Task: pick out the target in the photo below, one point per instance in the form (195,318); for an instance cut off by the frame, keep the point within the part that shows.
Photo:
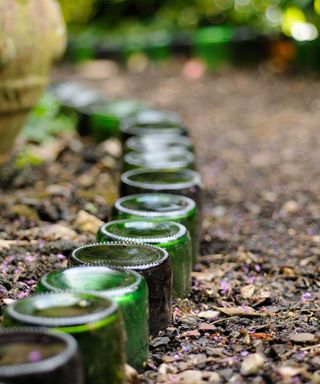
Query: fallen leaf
(247,291)
(208,315)
(302,337)
(206,327)
(244,311)
(192,333)
(205,277)
(159,342)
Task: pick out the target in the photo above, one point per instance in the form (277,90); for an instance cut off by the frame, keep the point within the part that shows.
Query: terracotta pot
(32,35)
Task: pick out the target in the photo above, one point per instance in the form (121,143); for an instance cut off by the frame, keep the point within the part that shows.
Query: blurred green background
(125,16)
(282,35)
(117,29)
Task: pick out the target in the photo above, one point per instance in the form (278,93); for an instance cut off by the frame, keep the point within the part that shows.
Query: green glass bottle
(78,101)
(171,236)
(161,207)
(158,143)
(152,262)
(184,182)
(37,356)
(73,95)
(94,321)
(150,122)
(105,119)
(127,288)
(173,159)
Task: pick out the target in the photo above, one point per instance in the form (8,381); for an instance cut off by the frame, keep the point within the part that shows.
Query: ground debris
(252,364)
(198,377)
(260,241)
(244,311)
(58,232)
(86,222)
(302,337)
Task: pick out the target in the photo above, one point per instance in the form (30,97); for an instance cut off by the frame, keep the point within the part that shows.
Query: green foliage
(26,158)
(46,120)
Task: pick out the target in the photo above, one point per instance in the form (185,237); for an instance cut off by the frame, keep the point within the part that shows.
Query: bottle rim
(191,205)
(108,292)
(183,158)
(135,143)
(149,130)
(150,116)
(164,255)
(195,179)
(46,365)
(182,231)
(62,321)
(109,110)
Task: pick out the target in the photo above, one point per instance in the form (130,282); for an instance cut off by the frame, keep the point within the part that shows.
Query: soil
(253,314)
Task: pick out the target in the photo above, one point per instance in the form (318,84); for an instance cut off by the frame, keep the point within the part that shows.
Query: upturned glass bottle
(78,100)
(30,355)
(127,288)
(184,182)
(171,159)
(158,143)
(150,122)
(171,236)
(152,262)
(94,321)
(161,207)
(105,119)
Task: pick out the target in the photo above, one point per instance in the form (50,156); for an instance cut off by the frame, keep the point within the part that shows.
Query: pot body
(32,35)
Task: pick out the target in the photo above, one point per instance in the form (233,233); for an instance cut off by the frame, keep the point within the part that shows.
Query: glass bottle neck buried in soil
(31,355)
(152,262)
(128,288)
(169,235)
